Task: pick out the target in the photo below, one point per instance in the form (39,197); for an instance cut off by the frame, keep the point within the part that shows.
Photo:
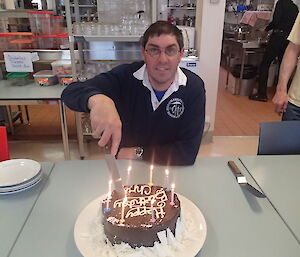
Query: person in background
(285,103)
(283,20)
(151,110)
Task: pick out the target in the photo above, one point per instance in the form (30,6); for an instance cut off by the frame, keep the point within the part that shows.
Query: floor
(235,134)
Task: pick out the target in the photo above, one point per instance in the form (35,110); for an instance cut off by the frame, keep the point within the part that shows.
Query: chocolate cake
(138,228)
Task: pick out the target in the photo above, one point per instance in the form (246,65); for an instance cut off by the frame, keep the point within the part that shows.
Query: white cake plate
(90,239)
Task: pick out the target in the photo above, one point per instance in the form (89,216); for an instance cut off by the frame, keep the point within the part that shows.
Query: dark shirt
(170,135)
(284,17)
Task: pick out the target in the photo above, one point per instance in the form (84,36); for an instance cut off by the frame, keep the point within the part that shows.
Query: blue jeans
(292,112)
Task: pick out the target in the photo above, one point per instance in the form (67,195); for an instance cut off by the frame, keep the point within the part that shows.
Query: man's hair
(162,28)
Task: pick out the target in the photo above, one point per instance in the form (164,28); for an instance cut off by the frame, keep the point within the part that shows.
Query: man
(283,20)
(289,104)
(152,110)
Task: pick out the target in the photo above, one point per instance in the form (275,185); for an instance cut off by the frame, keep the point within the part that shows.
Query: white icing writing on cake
(113,220)
(140,211)
(139,206)
(142,189)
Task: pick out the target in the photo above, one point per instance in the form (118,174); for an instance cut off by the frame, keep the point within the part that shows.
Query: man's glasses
(169,51)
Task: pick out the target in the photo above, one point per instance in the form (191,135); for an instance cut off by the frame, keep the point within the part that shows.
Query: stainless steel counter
(245,48)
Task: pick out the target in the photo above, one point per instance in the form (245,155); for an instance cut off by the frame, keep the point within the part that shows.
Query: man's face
(162,56)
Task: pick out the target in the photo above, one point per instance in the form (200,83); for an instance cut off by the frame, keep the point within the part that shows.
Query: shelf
(84,5)
(114,38)
(181,8)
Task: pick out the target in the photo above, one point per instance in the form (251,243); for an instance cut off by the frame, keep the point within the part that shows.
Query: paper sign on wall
(18,62)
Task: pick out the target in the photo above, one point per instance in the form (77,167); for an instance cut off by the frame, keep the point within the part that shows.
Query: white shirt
(180,80)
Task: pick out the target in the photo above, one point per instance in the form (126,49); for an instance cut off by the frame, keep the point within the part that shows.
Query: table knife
(114,172)
(241,179)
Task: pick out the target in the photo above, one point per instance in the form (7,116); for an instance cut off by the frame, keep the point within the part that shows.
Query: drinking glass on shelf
(83,27)
(99,29)
(105,29)
(90,28)
(77,28)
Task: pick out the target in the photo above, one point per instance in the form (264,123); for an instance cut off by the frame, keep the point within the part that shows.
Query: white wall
(209,42)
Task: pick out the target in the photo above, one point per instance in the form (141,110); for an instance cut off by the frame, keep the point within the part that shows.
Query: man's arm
(288,64)
(105,121)
(98,96)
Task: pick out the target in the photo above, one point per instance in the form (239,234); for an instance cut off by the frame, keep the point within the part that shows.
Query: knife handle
(234,168)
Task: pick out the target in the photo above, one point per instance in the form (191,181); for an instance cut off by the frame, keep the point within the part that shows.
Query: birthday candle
(107,209)
(167,180)
(172,194)
(109,187)
(123,210)
(152,211)
(128,174)
(151,175)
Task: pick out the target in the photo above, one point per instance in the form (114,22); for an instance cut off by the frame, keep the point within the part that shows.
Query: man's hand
(105,121)
(280,101)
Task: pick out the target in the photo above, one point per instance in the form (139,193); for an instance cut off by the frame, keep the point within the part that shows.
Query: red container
(17,40)
(4,153)
(40,22)
(57,24)
(5,39)
(23,44)
(56,41)
(45,41)
(61,41)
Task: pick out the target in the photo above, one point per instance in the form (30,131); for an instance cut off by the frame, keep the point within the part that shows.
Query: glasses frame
(160,52)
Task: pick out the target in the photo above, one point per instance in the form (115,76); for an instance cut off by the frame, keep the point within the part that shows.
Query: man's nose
(162,56)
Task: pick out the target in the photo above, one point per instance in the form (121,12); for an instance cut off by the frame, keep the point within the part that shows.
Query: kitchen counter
(243,48)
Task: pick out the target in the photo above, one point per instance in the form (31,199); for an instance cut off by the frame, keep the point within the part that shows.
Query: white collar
(180,80)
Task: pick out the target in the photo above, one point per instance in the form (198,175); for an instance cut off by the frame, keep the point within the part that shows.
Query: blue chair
(281,137)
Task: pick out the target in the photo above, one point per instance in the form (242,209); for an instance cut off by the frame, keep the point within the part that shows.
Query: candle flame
(167,172)
(173,186)
(151,167)
(129,168)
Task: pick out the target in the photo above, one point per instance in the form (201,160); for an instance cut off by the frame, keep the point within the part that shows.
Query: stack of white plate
(18,175)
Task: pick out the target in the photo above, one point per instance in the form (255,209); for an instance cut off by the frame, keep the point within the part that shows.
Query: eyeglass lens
(169,51)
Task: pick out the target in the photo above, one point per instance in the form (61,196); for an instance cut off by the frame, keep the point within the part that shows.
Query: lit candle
(151,174)
(152,211)
(167,180)
(107,209)
(122,220)
(172,194)
(109,187)
(128,174)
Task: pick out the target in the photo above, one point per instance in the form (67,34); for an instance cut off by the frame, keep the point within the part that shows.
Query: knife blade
(114,172)
(242,181)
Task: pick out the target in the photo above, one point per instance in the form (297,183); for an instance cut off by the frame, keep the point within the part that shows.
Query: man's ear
(181,52)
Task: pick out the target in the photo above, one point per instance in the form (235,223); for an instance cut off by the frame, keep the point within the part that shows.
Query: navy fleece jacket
(170,135)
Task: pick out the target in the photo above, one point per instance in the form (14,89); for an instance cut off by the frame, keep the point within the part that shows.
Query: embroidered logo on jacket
(175,108)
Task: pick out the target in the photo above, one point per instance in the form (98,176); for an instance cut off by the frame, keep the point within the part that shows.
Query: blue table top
(238,223)
(279,179)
